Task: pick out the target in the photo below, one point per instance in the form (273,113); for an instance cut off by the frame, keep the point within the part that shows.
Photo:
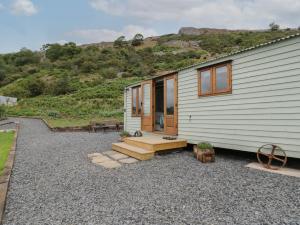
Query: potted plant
(204,152)
(124,134)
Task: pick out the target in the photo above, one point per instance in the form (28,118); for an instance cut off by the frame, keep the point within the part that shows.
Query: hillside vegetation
(82,83)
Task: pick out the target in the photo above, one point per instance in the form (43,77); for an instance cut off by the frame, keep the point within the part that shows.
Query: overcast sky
(32,23)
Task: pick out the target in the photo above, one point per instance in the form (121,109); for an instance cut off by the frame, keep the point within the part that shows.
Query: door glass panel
(205,82)
(221,78)
(170,97)
(134,101)
(147,96)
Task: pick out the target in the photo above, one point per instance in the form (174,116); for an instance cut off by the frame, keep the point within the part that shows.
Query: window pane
(170,97)
(222,78)
(134,100)
(140,100)
(205,82)
(147,95)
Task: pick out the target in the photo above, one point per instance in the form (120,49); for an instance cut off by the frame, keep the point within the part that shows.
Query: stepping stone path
(111,159)
(128,160)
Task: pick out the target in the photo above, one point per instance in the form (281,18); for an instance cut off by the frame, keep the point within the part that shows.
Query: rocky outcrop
(201,31)
(182,44)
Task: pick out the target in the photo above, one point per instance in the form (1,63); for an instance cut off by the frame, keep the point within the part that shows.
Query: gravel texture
(53,182)
(5,126)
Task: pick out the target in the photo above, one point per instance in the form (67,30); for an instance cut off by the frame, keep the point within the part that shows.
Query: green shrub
(125,134)
(54,114)
(62,86)
(205,145)
(35,87)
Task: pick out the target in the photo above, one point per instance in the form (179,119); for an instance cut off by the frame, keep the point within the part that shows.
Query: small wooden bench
(94,126)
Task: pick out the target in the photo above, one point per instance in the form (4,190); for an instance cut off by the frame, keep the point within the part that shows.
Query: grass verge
(6,141)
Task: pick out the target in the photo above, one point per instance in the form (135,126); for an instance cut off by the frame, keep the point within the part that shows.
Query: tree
(57,51)
(273,26)
(137,40)
(53,51)
(120,42)
(26,56)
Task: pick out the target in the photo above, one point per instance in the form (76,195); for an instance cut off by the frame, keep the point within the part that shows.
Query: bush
(125,134)
(109,73)
(35,87)
(62,86)
(26,56)
(54,114)
(273,26)
(205,145)
(88,66)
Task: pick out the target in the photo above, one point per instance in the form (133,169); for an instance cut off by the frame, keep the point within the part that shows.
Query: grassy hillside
(81,83)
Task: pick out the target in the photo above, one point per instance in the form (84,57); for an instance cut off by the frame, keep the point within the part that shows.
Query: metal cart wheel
(271,156)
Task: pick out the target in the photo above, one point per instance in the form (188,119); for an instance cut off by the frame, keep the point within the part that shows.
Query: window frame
(213,69)
(199,81)
(136,113)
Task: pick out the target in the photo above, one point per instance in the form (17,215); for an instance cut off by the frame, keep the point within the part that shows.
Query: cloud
(217,13)
(98,35)
(23,7)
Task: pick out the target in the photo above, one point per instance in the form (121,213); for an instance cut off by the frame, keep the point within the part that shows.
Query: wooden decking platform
(144,148)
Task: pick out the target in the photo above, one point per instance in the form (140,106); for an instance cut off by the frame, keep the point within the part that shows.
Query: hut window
(136,101)
(205,82)
(215,80)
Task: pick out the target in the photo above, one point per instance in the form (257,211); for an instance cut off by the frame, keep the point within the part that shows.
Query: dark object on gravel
(138,133)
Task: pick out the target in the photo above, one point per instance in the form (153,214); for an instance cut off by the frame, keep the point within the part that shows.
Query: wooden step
(154,143)
(133,151)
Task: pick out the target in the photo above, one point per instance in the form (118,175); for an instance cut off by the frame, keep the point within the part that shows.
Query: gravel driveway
(54,183)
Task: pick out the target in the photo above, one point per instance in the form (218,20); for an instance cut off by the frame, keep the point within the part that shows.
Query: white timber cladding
(131,123)
(264,106)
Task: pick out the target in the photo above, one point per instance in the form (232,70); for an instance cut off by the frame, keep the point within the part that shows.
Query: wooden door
(170,105)
(147,106)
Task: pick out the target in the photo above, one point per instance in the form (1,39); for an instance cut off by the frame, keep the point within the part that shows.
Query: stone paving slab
(92,155)
(282,171)
(100,159)
(110,164)
(109,153)
(128,160)
(118,156)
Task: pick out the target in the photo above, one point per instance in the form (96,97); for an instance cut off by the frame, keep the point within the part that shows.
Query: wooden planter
(204,155)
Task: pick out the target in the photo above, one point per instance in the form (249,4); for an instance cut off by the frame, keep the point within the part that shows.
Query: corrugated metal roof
(230,54)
